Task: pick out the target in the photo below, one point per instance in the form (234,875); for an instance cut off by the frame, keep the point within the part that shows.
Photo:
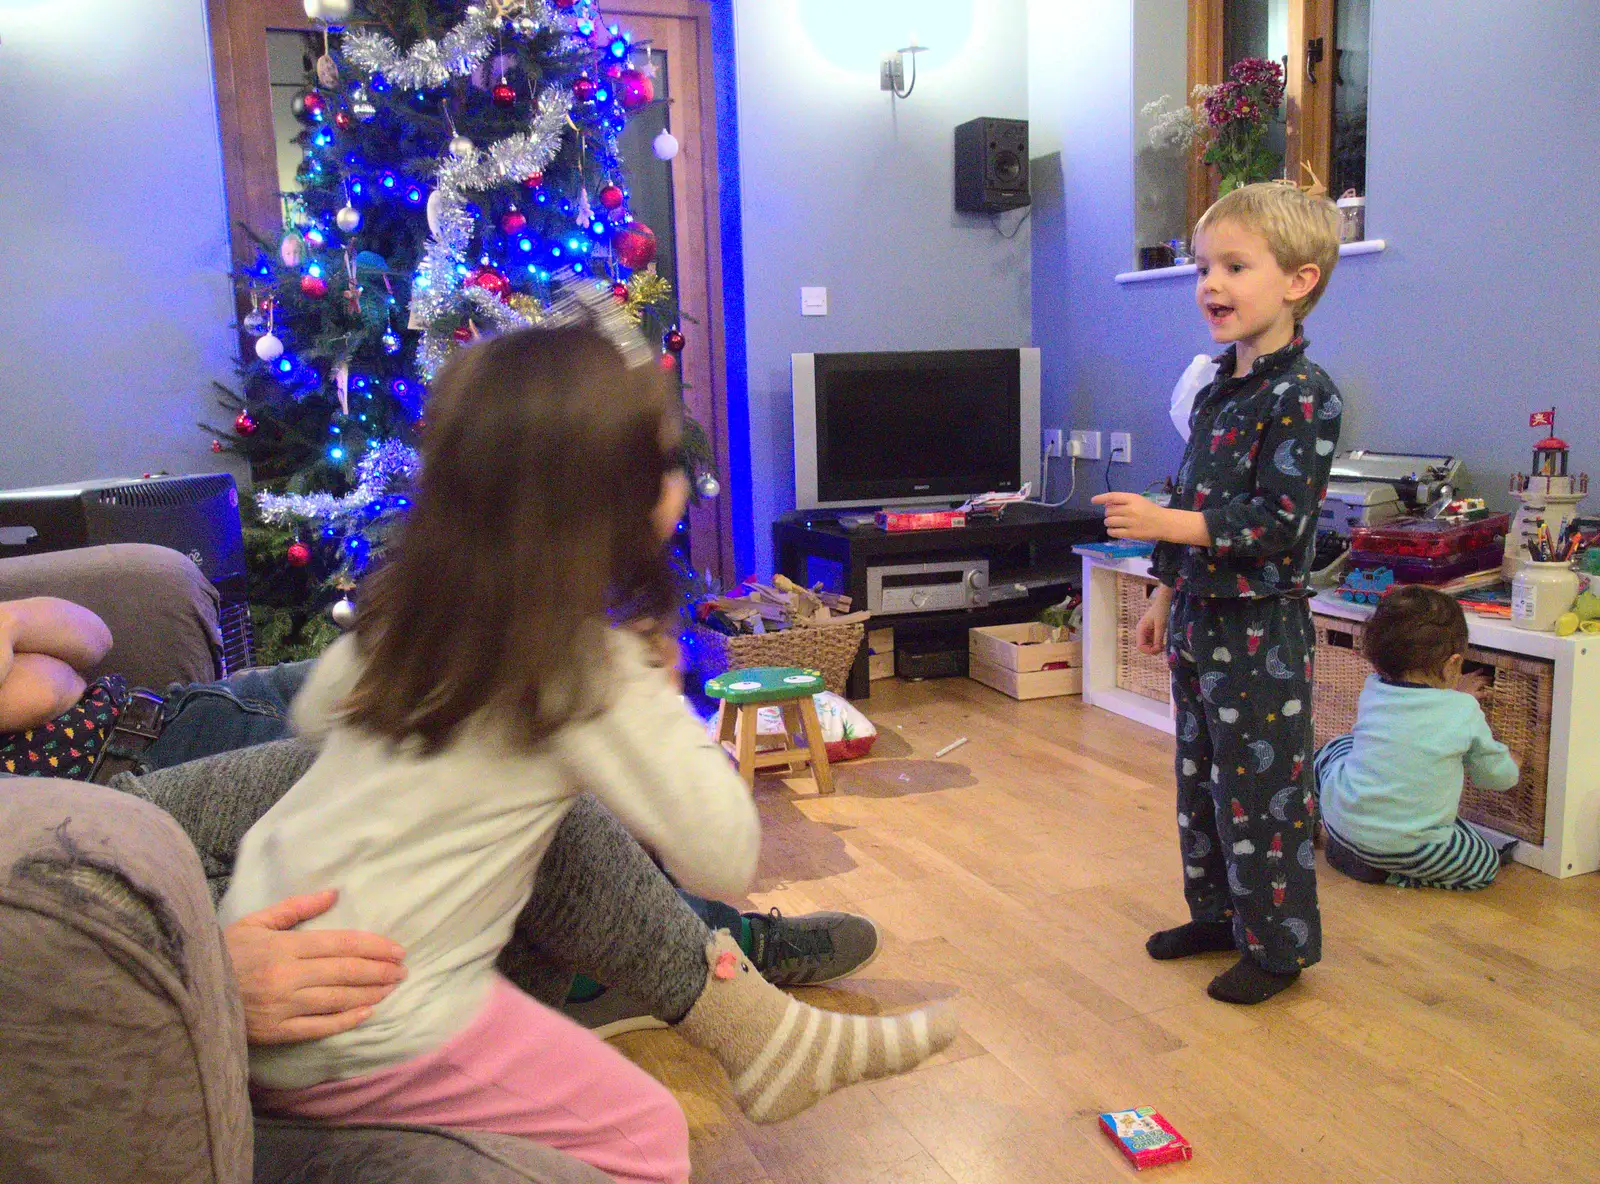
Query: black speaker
(992,165)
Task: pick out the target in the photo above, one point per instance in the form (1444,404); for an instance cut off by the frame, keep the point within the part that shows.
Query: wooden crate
(1143,674)
(1518,708)
(1012,660)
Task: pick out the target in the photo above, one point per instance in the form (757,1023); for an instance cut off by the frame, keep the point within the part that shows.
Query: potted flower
(1231,119)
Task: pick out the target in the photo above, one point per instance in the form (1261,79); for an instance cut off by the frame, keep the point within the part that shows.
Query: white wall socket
(1122,448)
(1052,442)
(1086,445)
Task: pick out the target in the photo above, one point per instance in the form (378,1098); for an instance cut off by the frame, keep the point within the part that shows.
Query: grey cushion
(122,1053)
(301,1153)
(162,612)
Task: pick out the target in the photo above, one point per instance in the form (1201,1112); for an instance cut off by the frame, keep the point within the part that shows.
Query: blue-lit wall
(844,187)
(114,295)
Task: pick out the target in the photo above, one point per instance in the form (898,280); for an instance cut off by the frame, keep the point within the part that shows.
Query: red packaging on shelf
(895,520)
(1431,538)
(1147,1139)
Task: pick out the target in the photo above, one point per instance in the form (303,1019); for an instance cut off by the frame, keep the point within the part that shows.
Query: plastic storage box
(1412,569)
(1427,538)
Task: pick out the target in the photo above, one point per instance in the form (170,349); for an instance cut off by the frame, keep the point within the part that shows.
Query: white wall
(114,294)
(848,188)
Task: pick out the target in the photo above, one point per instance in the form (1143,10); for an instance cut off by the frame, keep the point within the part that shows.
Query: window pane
(289,60)
(649,179)
(1350,24)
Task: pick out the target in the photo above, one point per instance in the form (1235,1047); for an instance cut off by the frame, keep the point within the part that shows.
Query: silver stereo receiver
(927,587)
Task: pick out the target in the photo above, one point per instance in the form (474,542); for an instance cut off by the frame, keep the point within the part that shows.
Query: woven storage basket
(1518,710)
(830,649)
(1143,674)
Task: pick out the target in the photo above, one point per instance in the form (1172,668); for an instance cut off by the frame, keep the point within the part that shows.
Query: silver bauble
(707,485)
(348,219)
(462,146)
(336,11)
(391,341)
(343,613)
(254,323)
(362,106)
(525,26)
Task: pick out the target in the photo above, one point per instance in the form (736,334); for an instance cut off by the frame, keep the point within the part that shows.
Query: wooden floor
(1445,1037)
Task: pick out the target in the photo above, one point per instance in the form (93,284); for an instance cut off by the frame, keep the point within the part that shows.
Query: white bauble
(462,146)
(665,145)
(708,485)
(343,613)
(313,9)
(348,219)
(269,348)
(435,209)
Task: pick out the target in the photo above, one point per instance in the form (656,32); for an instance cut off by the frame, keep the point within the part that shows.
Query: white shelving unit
(1572,794)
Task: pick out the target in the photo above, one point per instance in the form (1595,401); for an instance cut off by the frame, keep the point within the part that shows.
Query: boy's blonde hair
(1299,229)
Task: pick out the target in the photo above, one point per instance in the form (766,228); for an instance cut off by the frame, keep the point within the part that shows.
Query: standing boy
(1233,556)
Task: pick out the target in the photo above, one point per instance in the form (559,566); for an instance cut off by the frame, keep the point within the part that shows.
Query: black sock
(1197,937)
(1248,982)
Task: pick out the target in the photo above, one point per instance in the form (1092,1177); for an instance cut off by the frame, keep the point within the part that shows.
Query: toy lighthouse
(1549,495)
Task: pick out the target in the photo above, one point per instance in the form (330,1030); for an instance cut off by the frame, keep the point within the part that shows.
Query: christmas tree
(461,170)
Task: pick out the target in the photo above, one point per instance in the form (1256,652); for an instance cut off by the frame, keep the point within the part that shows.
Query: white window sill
(1369,246)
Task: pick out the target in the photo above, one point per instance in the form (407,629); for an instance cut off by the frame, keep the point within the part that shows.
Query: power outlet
(1086,445)
(1052,442)
(1122,448)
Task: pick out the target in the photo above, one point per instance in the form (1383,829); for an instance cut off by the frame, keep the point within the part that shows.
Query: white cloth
(1200,374)
(439,852)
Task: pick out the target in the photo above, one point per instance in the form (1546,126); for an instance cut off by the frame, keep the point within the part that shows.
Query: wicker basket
(1518,709)
(1143,674)
(831,649)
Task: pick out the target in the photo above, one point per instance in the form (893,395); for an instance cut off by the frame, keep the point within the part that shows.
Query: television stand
(1029,543)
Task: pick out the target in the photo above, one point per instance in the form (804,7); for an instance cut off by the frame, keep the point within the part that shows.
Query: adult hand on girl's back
(307,984)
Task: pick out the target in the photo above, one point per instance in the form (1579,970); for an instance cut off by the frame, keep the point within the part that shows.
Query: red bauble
(566,5)
(245,424)
(634,89)
(503,95)
(620,291)
(512,221)
(612,70)
(216,446)
(635,246)
(667,361)
(583,89)
(342,121)
(534,180)
(610,196)
(314,105)
(462,333)
(298,555)
(491,281)
(673,341)
(314,286)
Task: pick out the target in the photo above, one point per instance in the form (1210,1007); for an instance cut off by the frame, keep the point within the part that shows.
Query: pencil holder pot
(1540,593)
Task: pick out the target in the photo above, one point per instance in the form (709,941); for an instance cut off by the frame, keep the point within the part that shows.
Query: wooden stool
(743,693)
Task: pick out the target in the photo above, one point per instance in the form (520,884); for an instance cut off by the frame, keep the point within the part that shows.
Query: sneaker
(815,948)
(611,1013)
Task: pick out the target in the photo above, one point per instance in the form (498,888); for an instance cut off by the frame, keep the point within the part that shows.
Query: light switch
(813,302)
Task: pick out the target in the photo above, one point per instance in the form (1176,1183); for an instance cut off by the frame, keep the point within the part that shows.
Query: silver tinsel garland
(428,63)
(388,467)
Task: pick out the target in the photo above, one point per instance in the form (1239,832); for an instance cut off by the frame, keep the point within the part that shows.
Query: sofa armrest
(122,1053)
(162,612)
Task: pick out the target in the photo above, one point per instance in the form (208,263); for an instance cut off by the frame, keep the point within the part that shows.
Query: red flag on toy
(1542,419)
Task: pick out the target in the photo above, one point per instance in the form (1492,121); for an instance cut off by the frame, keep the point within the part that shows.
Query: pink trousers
(519,1069)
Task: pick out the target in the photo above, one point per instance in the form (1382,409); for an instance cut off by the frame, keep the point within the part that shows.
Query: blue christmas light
(414,195)
(619,48)
(601,95)
(315,269)
(387,180)
(357,547)
(285,364)
(586,26)
(524,244)
(323,138)
(357,189)
(541,197)
(334,429)
(329,532)
(336,454)
(380,83)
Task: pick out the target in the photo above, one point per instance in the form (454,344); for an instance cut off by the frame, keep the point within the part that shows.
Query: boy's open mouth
(1218,312)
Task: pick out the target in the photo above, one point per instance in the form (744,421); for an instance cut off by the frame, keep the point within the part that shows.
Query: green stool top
(765,684)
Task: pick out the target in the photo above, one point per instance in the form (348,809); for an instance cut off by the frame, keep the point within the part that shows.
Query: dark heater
(197,516)
(992,165)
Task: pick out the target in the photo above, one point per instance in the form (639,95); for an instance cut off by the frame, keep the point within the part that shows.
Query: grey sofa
(122,1053)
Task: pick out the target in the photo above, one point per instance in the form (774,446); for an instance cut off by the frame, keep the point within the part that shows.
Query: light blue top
(1401,785)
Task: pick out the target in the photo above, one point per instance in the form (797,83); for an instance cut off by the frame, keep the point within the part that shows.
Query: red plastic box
(1147,1139)
(1410,569)
(896,520)
(1427,538)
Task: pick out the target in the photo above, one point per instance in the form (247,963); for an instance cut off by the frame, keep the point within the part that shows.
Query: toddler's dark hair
(1415,630)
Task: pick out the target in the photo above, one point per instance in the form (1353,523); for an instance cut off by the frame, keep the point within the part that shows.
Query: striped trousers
(1464,862)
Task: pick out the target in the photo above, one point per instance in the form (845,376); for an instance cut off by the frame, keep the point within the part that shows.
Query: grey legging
(600,907)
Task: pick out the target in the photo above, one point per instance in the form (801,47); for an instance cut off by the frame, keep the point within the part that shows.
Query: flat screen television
(885,429)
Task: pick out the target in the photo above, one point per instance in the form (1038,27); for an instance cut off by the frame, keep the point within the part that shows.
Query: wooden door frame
(250,171)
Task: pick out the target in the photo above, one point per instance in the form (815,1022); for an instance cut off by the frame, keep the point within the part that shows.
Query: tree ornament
(665,145)
(390,340)
(327,71)
(362,106)
(667,361)
(491,281)
(463,332)
(534,180)
(309,107)
(708,486)
(254,323)
(435,211)
(513,220)
(314,286)
(343,613)
(635,245)
(342,120)
(566,5)
(619,290)
(612,70)
(330,12)
(673,340)
(216,445)
(298,555)
(462,147)
(245,424)
(503,95)
(348,219)
(525,26)
(585,215)
(583,90)
(292,249)
(610,196)
(634,89)
(269,348)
